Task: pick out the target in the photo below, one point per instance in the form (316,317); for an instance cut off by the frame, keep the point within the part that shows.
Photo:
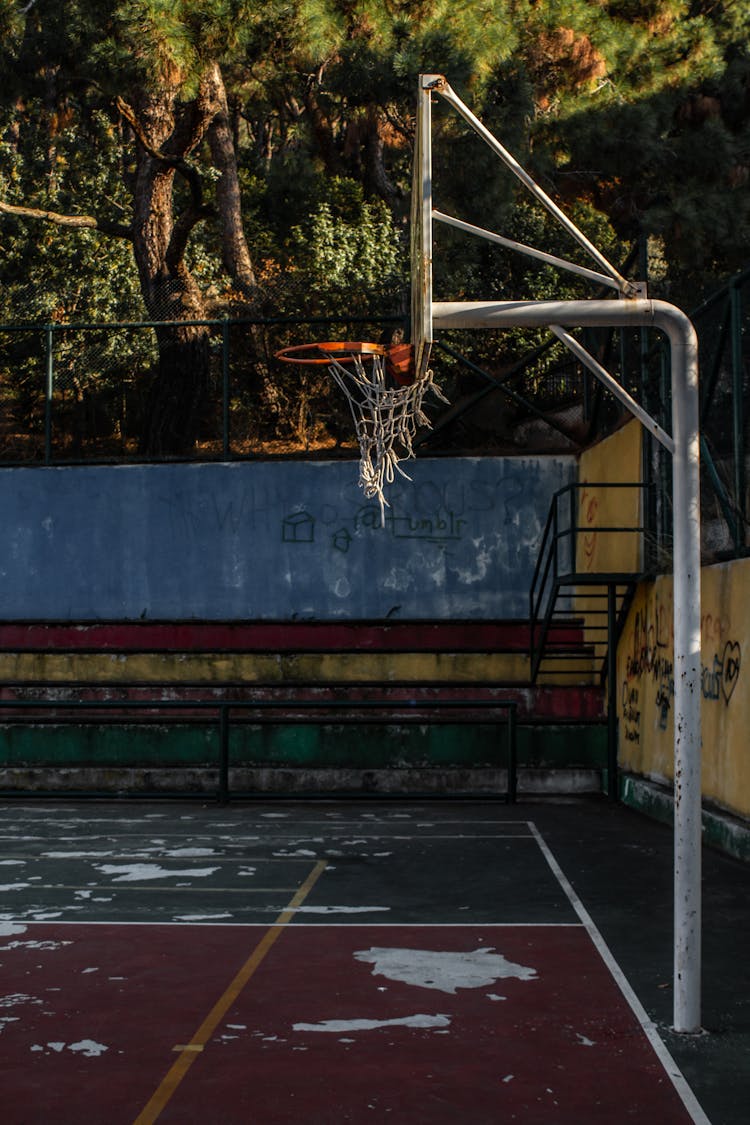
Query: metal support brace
(687,593)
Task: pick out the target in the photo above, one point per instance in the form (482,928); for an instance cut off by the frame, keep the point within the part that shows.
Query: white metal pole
(687,587)
(687,671)
(442,87)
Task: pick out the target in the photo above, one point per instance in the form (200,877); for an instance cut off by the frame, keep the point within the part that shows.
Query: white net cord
(386,419)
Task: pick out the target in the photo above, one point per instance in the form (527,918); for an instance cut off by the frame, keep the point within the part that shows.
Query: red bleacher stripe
(405,636)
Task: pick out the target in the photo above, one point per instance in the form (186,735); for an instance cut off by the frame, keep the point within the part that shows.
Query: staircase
(590,561)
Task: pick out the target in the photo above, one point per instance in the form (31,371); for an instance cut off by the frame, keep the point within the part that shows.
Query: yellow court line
(190,1051)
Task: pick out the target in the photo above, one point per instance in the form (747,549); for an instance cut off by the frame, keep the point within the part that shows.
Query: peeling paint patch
(200,917)
(133,872)
(86,1047)
(16,999)
(445,971)
(8,928)
(340,909)
(190,853)
(338,1026)
(40,945)
(78,855)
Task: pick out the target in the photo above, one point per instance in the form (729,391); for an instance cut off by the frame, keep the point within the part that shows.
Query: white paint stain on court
(37,945)
(135,872)
(445,971)
(340,909)
(8,928)
(18,999)
(341,1026)
(78,855)
(201,917)
(89,1048)
(190,853)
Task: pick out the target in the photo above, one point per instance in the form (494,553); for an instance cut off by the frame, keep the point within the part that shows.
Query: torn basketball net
(386,419)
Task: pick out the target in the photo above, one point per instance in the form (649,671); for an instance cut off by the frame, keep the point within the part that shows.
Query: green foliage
(635,116)
(348,255)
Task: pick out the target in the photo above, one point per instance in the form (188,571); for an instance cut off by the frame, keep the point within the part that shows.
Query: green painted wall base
(150,759)
(729,834)
(361,745)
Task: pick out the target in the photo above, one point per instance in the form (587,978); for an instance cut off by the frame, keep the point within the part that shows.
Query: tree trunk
(234,249)
(179,396)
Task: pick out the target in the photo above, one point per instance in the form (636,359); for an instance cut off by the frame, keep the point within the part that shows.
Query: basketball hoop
(385,400)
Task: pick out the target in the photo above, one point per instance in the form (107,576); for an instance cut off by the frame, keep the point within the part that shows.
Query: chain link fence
(84,392)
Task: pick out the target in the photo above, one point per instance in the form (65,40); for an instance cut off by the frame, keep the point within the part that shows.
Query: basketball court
(390,961)
(340,962)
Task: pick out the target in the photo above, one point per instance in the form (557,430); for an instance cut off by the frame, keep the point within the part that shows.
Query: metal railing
(79,392)
(592,599)
(558,561)
(391,710)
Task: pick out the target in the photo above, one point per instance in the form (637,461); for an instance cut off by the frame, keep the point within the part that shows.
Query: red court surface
(249,970)
(318,1035)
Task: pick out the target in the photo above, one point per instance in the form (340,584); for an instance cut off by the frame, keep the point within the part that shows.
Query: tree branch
(177,162)
(78,222)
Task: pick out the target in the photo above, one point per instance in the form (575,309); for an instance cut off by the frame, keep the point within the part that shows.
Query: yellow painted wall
(617,459)
(645,660)
(208,668)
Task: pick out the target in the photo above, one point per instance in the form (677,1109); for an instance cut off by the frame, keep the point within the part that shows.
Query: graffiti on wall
(431,511)
(589,539)
(649,665)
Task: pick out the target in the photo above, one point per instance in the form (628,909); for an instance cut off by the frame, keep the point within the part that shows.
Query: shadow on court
(359,961)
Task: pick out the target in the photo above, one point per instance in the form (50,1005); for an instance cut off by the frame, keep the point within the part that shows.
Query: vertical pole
(49,377)
(687,669)
(512,755)
(223,755)
(612,779)
(735,304)
(555,538)
(574,506)
(586,379)
(225,387)
(421,228)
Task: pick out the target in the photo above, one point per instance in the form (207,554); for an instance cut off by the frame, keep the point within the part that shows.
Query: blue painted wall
(259,540)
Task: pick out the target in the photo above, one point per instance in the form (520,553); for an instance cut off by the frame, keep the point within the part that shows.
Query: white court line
(298,837)
(676,1076)
(363,925)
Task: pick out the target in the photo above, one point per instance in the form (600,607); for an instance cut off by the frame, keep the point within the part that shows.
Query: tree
(218,142)
(156,68)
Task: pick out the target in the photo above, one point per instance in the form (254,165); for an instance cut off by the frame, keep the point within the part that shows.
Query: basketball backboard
(421,227)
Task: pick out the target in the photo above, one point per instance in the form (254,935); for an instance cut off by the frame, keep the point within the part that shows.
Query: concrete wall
(274,541)
(616,460)
(645,666)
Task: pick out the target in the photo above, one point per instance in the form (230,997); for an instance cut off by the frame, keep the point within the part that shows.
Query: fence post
(49,376)
(223,755)
(735,304)
(512,755)
(225,386)
(612,780)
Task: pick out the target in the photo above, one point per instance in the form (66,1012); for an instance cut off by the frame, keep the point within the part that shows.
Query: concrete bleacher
(357,706)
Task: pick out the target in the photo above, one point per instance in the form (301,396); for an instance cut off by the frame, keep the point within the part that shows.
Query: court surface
(347,962)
